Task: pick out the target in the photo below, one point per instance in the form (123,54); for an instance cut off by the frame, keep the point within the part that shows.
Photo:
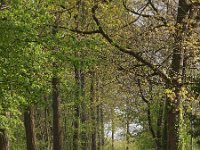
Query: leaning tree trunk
(30,129)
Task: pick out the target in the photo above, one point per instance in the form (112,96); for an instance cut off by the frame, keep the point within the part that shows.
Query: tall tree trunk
(76,110)
(4,142)
(127,134)
(191,136)
(164,127)
(30,128)
(93,111)
(76,128)
(56,101)
(47,129)
(159,127)
(99,142)
(84,137)
(100,116)
(173,125)
(102,125)
(100,130)
(174,119)
(127,125)
(57,131)
(113,129)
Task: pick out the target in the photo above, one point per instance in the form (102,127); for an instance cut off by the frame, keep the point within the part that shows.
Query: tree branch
(148,110)
(152,5)
(128,50)
(75,30)
(136,12)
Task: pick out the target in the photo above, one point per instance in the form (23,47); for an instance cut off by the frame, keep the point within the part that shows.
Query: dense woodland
(99,75)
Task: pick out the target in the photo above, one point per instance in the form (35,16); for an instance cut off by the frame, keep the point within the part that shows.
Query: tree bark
(174,109)
(127,124)
(112,128)
(98,118)
(159,127)
(30,129)
(164,127)
(84,136)
(76,128)
(4,142)
(93,111)
(102,125)
(76,110)
(47,123)
(57,131)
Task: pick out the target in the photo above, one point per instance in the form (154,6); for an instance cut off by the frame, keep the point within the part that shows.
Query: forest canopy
(99,74)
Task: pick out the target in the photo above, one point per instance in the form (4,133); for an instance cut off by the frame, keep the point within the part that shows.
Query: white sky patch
(119,131)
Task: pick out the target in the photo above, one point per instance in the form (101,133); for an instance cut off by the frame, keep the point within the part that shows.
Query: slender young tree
(93,111)
(83,115)
(76,122)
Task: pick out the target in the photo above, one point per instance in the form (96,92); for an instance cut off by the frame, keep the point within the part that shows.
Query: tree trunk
(98,118)
(112,128)
(30,129)
(173,125)
(47,124)
(102,125)
(76,123)
(159,127)
(84,137)
(57,133)
(174,119)
(93,111)
(99,128)
(164,127)
(127,131)
(76,128)
(127,135)
(4,142)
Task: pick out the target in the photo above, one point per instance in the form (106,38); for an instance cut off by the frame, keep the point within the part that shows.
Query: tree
(98,74)
(173,79)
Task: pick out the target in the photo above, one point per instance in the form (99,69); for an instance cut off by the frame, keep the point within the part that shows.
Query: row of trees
(75,73)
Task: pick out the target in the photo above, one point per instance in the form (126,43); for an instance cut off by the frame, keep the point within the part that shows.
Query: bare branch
(128,50)
(85,32)
(136,12)
(152,5)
